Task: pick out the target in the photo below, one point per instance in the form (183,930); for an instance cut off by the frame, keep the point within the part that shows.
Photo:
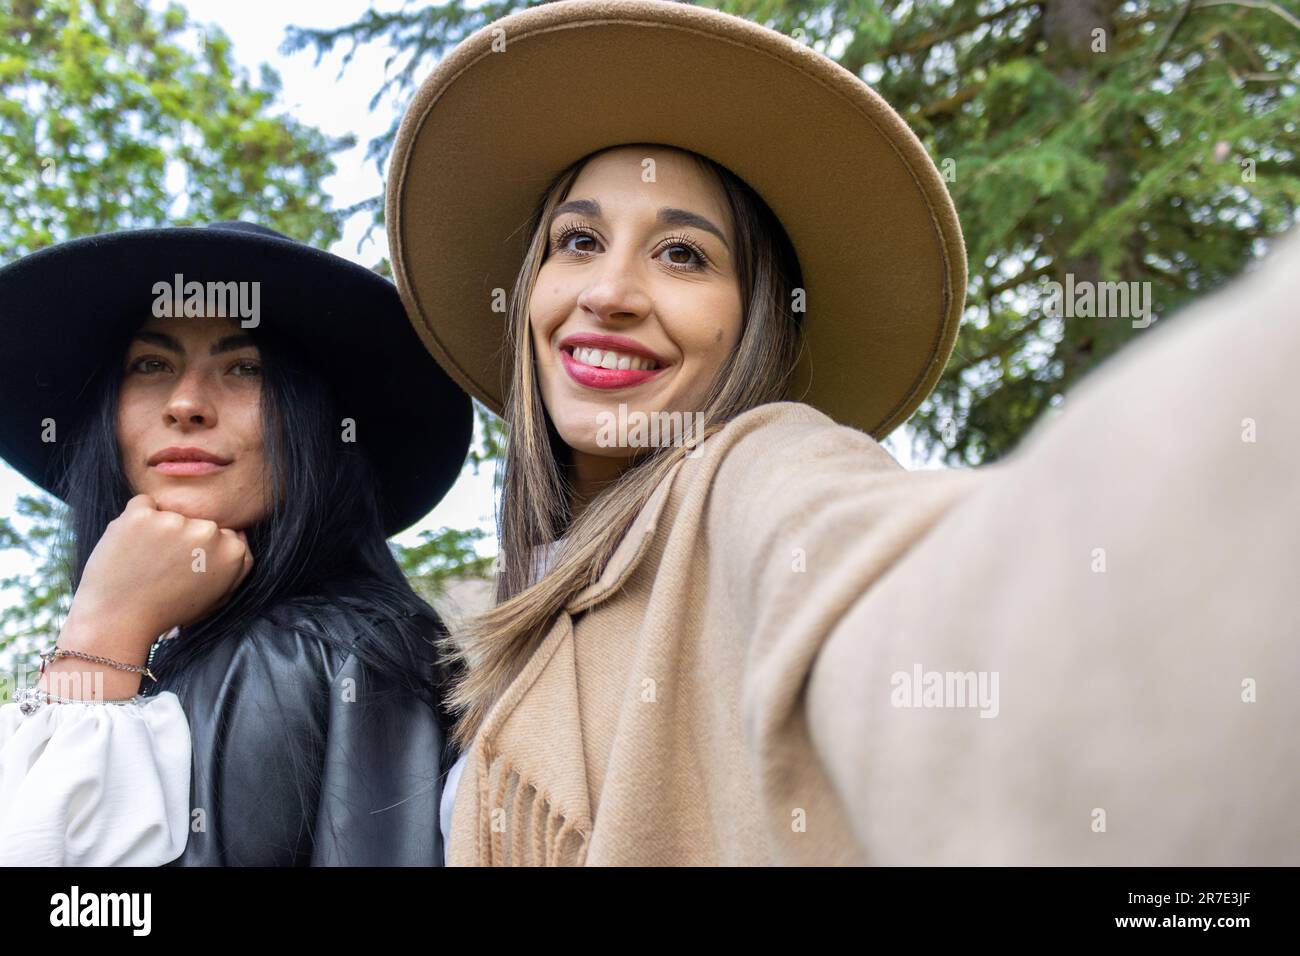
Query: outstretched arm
(1086,656)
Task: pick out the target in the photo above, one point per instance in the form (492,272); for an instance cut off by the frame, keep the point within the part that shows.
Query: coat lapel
(630,550)
(530,803)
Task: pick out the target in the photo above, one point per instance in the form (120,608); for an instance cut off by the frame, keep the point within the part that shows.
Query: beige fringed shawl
(658,722)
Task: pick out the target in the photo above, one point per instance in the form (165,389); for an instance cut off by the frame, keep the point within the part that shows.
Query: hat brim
(870,218)
(63,308)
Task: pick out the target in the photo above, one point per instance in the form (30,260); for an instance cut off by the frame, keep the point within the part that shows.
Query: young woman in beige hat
(765,641)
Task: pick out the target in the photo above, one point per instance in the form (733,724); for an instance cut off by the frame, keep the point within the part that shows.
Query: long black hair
(322,542)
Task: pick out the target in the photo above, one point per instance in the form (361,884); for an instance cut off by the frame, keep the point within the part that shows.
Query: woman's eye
(684,256)
(246,369)
(147,365)
(686,251)
(563,240)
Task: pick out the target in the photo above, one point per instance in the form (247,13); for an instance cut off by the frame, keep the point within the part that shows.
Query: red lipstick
(607,378)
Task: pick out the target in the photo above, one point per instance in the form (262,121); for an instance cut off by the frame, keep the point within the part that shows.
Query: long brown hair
(535,506)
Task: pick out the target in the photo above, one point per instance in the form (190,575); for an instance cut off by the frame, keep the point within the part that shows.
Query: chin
(588,446)
(192,503)
(579,429)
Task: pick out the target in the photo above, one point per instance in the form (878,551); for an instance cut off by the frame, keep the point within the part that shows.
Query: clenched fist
(152,570)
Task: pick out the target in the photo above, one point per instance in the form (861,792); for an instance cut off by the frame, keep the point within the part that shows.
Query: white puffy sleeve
(94,784)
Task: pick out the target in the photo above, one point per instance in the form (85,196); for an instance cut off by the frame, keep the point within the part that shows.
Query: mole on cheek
(718,337)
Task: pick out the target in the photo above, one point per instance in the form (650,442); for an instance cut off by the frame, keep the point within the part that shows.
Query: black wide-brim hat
(63,308)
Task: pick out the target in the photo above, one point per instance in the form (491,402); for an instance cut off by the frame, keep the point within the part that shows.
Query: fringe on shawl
(518,826)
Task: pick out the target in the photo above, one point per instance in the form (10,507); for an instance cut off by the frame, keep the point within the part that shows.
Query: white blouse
(448,801)
(94,784)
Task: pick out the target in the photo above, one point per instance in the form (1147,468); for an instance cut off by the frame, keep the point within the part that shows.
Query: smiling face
(189,422)
(638,301)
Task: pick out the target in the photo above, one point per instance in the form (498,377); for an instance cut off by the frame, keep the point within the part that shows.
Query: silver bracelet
(54,653)
(30,699)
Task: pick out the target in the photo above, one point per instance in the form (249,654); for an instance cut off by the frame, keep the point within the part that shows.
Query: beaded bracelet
(30,699)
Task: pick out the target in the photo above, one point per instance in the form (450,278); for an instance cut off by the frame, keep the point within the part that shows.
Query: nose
(189,405)
(616,294)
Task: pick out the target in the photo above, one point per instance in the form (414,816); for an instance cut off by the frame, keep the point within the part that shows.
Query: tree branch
(1002,349)
(1027,276)
(1169,37)
(950,104)
(935,37)
(1254,5)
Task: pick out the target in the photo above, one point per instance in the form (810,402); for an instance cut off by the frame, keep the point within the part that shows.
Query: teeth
(606,358)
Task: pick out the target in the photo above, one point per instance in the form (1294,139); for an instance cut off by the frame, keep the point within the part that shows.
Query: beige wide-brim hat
(515,103)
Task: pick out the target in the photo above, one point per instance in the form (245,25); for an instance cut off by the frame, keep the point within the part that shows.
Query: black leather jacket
(304,756)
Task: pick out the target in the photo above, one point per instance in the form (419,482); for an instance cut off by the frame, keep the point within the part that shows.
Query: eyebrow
(227,344)
(668,216)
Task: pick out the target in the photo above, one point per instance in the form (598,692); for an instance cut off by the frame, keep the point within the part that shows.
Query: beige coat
(1100,628)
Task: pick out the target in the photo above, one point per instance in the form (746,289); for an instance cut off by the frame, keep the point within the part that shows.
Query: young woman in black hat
(237,423)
